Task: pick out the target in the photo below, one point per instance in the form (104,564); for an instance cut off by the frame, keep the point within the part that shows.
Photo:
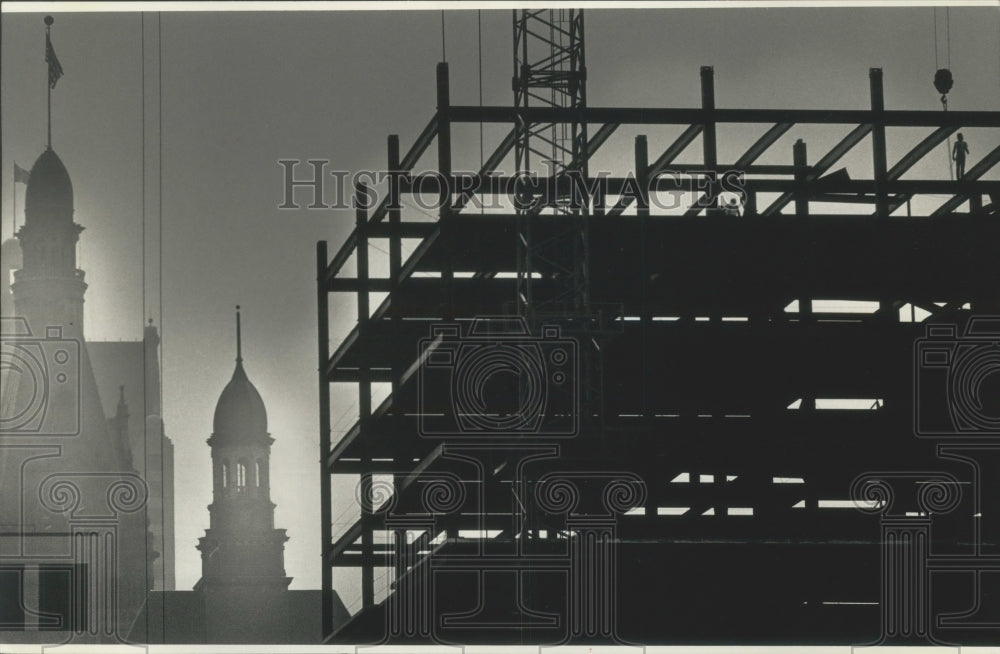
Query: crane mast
(550,71)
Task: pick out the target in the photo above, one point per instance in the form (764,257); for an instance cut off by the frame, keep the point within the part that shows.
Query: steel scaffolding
(717,350)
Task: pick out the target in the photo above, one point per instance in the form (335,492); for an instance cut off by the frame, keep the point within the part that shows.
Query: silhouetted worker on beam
(959,153)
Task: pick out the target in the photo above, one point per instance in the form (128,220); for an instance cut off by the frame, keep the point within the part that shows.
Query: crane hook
(943,82)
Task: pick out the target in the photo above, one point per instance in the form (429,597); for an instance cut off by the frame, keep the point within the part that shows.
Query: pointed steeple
(242,554)
(239,340)
(240,413)
(151,356)
(119,427)
(122,406)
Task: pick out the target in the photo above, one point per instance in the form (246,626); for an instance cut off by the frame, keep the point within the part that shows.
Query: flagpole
(48,81)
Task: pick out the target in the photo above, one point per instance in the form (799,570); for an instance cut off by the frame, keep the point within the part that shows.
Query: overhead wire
(947,29)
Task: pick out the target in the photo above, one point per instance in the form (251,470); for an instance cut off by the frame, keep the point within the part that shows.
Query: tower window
(256,473)
(225,474)
(241,476)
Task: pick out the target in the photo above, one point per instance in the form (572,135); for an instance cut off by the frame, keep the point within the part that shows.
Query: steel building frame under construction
(680,478)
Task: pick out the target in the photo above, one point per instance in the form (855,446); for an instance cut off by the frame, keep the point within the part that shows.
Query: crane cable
(934,9)
(947,31)
(944,98)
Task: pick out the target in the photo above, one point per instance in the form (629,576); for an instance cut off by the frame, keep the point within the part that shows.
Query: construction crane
(553,244)
(550,70)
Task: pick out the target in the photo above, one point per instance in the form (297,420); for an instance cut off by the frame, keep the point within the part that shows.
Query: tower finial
(239,343)
(54,73)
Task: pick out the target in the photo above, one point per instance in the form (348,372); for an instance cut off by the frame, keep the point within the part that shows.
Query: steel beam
(689,134)
(824,164)
(672,116)
(407,163)
(974,173)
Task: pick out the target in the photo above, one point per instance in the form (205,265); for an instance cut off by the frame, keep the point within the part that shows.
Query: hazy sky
(243,90)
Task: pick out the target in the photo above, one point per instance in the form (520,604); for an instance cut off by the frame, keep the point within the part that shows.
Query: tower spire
(239,341)
(48,46)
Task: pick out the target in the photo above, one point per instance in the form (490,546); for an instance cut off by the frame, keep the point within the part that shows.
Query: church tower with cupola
(243,573)
(48,289)
(86,487)
(55,435)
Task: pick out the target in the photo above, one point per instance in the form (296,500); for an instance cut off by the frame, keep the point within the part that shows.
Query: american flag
(55,68)
(20,174)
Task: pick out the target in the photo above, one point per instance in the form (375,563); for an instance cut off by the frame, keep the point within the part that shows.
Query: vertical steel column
(395,256)
(326,509)
(364,401)
(444,168)
(975,202)
(878,142)
(879,166)
(750,208)
(395,242)
(709,148)
(445,212)
(396,322)
(708,143)
(600,199)
(642,211)
(800,160)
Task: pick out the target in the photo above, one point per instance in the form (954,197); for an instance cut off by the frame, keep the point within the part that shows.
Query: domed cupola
(240,415)
(49,197)
(243,578)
